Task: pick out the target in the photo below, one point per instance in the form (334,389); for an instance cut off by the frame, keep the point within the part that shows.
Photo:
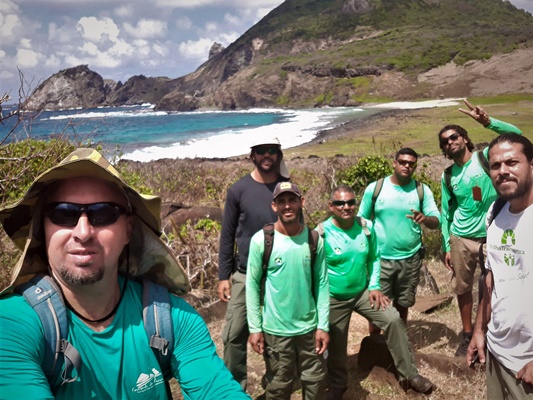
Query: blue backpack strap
(44,296)
(157,318)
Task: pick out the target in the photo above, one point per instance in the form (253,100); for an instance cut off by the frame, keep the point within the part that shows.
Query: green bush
(368,169)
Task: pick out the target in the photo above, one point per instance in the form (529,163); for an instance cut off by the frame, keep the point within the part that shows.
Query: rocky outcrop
(140,89)
(215,50)
(69,88)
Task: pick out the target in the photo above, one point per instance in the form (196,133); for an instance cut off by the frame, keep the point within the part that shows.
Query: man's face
(78,252)
(452,143)
(404,167)
(342,205)
(510,171)
(266,158)
(288,207)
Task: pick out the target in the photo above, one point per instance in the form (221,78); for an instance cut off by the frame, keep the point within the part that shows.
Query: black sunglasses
(405,163)
(342,203)
(263,150)
(99,214)
(453,137)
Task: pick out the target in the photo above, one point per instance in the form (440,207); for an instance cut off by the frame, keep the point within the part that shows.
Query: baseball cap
(284,187)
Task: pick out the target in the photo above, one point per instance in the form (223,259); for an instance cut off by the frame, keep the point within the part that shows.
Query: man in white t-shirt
(505,313)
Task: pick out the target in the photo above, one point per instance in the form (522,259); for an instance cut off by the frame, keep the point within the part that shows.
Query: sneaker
(418,384)
(463,346)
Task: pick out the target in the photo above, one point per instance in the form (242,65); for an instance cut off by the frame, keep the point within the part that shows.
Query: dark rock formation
(69,88)
(215,50)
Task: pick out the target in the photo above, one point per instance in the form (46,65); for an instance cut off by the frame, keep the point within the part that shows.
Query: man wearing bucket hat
(246,211)
(91,236)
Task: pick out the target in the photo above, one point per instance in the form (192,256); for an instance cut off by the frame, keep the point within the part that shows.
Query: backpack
(379,186)
(452,202)
(268,231)
(43,294)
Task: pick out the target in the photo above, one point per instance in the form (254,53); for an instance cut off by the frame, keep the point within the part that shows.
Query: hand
(224,290)
(447,260)
(477,113)
(526,373)
(321,341)
(476,346)
(417,217)
(257,340)
(378,299)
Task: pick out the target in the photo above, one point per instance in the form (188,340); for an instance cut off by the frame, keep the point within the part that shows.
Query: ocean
(141,134)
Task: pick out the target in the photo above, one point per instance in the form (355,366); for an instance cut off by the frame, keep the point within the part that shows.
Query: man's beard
(68,276)
(520,191)
(273,167)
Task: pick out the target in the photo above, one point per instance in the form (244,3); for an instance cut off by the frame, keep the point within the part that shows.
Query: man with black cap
(86,237)
(246,211)
(291,328)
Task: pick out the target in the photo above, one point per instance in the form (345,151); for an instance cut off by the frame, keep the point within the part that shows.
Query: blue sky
(120,38)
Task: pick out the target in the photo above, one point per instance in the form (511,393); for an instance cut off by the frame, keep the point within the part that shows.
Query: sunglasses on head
(98,214)
(453,137)
(342,203)
(263,150)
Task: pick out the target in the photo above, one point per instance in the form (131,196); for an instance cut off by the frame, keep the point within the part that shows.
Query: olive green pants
(388,320)
(282,355)
(235,333)
(502,383)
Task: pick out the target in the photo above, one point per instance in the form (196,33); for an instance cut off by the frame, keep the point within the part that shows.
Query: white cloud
(53,62)
(211,27)
(232,19)
(27,58)
(196,49)
(147,28)
(97,30)
(184,23)
(124,11)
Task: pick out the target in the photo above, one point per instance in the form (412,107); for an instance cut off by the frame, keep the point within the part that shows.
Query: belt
(241,269)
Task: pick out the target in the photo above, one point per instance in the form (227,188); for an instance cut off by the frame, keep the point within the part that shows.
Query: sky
(120,38)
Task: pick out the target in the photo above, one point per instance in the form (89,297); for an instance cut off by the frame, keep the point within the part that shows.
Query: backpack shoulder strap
(268,233)
(42,293)
(420,191)
(157,319)
(375,194)
(452,201)
(496,208)
(313,244)
(362,223)
(483,161)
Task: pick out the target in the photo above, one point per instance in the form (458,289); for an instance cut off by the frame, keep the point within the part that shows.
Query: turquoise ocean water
(142,134)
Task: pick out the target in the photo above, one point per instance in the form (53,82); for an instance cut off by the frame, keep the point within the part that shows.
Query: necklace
(94,321)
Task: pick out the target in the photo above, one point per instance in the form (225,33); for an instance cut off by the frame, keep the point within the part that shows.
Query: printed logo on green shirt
(337,250)
(278,260)
(146,382)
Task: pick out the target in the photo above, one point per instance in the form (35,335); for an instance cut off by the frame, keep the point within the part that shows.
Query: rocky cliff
(311,53)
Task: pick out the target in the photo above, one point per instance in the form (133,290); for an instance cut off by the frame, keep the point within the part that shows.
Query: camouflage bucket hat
(149,255)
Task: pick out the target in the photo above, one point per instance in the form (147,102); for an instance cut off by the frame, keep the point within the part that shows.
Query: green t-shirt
(290,308)
(117,363)
(399,237)
(352,260)
(467,219)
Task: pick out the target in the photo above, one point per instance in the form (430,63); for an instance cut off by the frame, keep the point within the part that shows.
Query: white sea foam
(300,127)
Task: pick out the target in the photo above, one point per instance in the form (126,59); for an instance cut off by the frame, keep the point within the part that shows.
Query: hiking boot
(335,393)
(418,384)
(463,346)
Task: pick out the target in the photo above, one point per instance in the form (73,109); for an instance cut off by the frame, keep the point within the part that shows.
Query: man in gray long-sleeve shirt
(247,210)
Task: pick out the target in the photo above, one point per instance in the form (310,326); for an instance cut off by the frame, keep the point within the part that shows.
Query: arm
(377,298)
(227,245)
(21,351)
(429,216)
(446,223)
(477,344)
(195,363)
(479,115)
(322,295)
(365,208)
(254,275)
